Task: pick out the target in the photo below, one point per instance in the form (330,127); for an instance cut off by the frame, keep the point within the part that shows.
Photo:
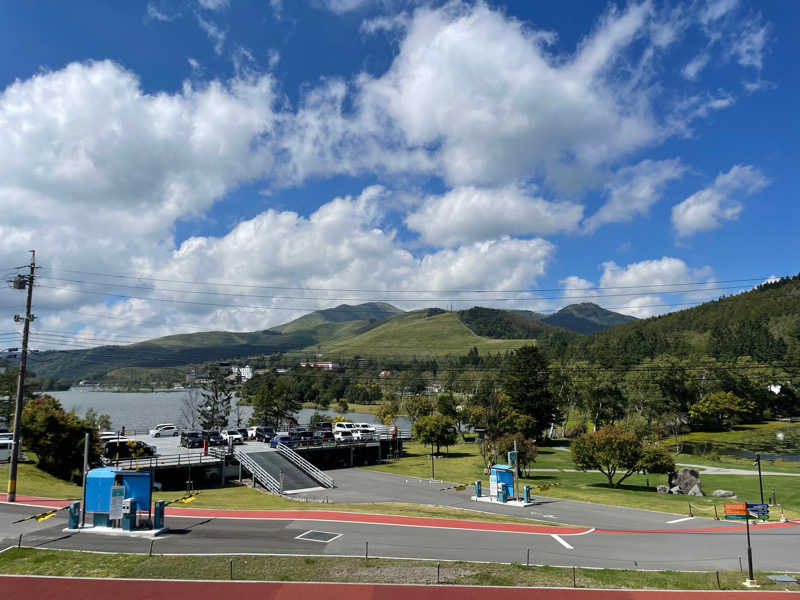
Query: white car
(164,430)
(251,433)
(344,426)
(342,435)
(363,431)
(232,436)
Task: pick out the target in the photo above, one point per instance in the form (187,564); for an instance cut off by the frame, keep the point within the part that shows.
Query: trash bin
(158,515)
(74,515)
(129,514)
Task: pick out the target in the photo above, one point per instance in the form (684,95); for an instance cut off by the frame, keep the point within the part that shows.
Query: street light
(757,461)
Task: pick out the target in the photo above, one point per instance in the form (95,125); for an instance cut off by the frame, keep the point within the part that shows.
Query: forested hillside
(763,323)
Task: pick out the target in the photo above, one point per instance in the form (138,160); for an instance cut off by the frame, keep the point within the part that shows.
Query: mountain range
(373,328)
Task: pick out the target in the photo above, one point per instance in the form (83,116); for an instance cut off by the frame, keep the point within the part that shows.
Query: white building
(244,373)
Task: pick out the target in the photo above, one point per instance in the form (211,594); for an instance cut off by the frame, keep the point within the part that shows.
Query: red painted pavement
(36,501)
(57,588)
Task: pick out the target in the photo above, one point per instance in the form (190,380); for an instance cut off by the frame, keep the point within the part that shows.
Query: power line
(476,291)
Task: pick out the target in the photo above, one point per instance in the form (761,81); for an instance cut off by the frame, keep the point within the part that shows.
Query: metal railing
(305,466)
(163,460)
(258,472)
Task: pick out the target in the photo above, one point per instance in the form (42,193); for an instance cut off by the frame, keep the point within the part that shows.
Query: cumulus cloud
(709,207)
(468,214)
(643,289)
(633,190)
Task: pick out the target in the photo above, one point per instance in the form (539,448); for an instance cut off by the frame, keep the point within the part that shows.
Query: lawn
(32,481)
(32,561)
(464,464)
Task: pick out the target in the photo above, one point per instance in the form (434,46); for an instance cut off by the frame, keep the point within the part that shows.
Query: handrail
(304,465)
(258,472)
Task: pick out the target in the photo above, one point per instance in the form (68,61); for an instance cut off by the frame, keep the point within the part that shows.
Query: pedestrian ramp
(289,477)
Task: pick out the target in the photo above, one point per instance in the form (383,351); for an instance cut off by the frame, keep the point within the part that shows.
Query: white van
(5,450)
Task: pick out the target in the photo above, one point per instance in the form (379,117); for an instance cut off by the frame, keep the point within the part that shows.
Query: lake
(142,410)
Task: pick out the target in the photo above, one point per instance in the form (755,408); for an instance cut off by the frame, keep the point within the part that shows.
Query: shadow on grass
(623,488)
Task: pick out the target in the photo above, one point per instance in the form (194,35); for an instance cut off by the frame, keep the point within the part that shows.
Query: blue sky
(626,153)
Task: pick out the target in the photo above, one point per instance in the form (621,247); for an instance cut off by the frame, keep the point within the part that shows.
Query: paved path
(62,588)
(707,470)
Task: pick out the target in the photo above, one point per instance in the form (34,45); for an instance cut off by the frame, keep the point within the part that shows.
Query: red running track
(58,588)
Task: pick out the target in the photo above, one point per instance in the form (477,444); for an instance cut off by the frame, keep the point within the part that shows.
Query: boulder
(685,479)
(723,494)
(696,490)
(662,489)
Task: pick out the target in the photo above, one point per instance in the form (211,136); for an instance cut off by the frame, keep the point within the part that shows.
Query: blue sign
(758,508)
(735,517)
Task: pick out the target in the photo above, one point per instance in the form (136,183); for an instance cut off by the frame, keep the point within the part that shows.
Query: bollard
(573,577)
(528,559)
(231,567)
(366,550)
(740,564)
(690,509)
(716,514)
(150,553)
(19,542)
(719,587)
(438,565)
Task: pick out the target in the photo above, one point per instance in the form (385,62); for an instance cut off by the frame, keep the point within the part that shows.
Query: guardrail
(305,466)
(258,472)
(164,460)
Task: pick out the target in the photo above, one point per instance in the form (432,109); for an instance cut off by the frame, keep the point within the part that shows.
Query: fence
(305,466)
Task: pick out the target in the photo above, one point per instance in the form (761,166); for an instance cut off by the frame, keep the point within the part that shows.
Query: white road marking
(681,520)
(558,538)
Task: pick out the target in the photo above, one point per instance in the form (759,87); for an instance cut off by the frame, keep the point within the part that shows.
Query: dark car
(281,438)
(323,426)
(125,449)
(214,438)
(325,436)
(264,434)
(302,435)
(243,432)
(191,439)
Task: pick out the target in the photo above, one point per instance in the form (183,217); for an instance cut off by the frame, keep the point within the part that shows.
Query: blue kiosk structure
(137,495)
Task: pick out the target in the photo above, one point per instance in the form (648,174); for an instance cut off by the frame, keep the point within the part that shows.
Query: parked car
(343,435)
(164,431)
(363,431)
(281,438)
(244,433)
(232,436)
(264,434)
(302,435)
(5,449)
(343,426)
(125,448)
(323,426)
(191,439)
(324,436)
(214,438)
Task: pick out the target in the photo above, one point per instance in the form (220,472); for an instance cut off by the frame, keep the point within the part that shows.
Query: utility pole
(757,461)
(19,283)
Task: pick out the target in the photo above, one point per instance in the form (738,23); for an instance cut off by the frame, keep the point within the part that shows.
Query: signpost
(745,512)
(115,507)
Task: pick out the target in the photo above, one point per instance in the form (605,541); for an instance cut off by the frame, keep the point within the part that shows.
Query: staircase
(312,471)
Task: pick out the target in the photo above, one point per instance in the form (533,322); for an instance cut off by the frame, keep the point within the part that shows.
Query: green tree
(490,410)
(418,407)
(610,450)
(526,450)
(720,411)
(388,411)
(656,460)
(436,430)
(56,436)
(99,422)
(275,400)
(525,380)
(215,407)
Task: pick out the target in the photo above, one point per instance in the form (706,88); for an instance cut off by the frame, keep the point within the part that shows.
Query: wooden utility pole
(20,283)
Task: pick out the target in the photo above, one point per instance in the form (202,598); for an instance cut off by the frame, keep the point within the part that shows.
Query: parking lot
(166,446)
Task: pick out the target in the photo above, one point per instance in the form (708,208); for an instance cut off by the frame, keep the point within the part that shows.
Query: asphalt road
(364,485)
(774,549)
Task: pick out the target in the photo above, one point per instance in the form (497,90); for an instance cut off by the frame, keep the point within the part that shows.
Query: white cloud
(749,47)
(710,206)
(157,15)
(213,4)
(343,6)
(484,92)
(633,190)
(695,66)
(214,33)
(469,214)
(716,9)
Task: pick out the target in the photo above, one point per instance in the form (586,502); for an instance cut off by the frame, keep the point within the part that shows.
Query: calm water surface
(143,410)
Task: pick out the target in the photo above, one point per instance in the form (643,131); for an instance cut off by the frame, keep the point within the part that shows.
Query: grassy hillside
(330,324)
(419,333)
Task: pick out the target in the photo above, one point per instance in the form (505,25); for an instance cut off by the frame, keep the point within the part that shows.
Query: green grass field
(32,561)
(464,464)
(413,334)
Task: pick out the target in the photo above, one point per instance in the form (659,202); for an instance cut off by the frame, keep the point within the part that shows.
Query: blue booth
(100,481)
(501,474)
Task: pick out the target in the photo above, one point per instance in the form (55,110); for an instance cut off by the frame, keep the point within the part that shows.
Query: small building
(244,373)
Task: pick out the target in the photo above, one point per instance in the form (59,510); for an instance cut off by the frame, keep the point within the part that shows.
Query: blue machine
(526,494)
(478,488)
(98,488)
(129,514)
(502,492)
(501,474)
(158,514)
(74,515)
